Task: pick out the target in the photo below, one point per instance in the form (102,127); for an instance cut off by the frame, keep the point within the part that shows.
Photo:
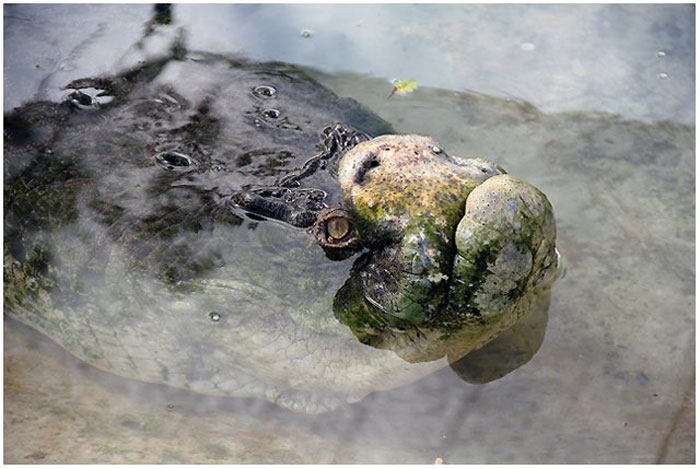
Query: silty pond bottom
(612,382)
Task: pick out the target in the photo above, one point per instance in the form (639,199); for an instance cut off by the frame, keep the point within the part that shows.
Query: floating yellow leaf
(403,87)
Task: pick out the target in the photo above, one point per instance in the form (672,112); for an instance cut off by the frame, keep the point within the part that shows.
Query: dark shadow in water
(510,350)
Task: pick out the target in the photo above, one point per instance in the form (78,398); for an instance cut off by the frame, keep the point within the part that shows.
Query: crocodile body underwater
(236,229)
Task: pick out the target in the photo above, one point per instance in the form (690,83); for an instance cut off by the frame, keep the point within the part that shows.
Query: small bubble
(436,149)
(171,406)
(661,53)
(80,99)
(174,161)
(214,316)
(266,91)
(306,33)
(663,75)
(271,113)
(527,46)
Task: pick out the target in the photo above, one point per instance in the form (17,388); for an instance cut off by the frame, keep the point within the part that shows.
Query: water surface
(570,98)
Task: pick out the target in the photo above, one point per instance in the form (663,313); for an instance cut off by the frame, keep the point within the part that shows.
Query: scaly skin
(157,274)
(460,249)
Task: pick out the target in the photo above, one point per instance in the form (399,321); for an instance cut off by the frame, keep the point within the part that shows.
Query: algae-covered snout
(453,246)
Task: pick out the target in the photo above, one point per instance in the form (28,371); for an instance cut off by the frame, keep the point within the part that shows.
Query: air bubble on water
(306,33)
(88,98)
(174,161)
(171,406)
(661,53)
(80,99)
(271,113)
(264,91)
(527,46)
(214,316)
(663,75)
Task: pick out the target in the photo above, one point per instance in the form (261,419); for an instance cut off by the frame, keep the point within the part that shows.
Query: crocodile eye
(338,227)
(334,233)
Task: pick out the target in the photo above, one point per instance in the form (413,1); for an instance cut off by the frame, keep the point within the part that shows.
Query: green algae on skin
(505,247)
(462,244)
(404,190)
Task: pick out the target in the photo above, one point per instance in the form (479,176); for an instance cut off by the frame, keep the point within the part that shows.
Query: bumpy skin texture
(458,248)
(157,236)
(509,228)
(406,191)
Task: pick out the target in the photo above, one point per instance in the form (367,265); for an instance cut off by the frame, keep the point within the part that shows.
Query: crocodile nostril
(371,161)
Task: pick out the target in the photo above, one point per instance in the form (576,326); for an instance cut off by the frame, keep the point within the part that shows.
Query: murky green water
(609,140)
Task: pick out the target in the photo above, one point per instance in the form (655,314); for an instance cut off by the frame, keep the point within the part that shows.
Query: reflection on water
(611,367)
(559,57)
(509,351)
